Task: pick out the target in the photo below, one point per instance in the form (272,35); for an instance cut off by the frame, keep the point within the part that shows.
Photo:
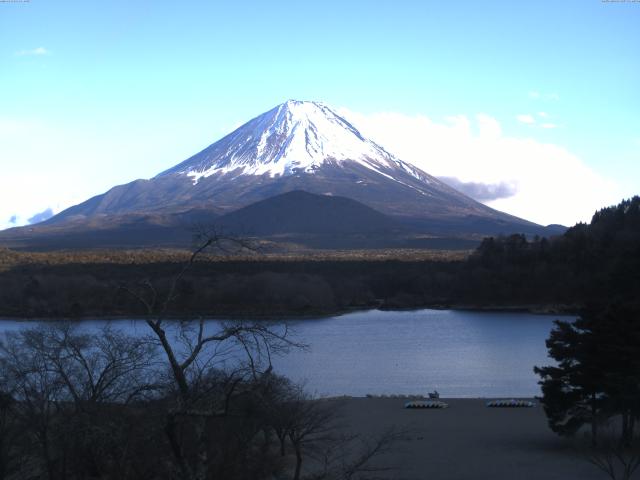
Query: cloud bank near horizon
(46,214)
(541,182)
(482,192)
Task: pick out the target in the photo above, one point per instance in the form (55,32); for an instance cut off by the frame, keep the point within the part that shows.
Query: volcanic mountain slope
(293,220)
(129,230)
(295,146)
(301,212)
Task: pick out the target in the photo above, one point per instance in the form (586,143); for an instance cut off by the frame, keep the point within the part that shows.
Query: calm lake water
(459,353)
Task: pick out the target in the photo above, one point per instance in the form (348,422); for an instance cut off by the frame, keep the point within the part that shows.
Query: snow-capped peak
(296,136)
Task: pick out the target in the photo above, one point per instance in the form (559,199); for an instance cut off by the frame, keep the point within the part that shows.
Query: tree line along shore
(591,263)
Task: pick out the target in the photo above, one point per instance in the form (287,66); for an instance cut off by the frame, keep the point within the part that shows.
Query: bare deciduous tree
(10,455)
(68,390)
(191,351)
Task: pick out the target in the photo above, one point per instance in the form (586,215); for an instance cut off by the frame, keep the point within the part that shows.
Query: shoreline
(419,396)
(541,309)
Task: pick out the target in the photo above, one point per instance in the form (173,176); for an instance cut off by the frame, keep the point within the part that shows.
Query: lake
(459,353)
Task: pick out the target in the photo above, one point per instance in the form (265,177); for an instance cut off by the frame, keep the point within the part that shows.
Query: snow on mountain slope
(294,137)
(303,146)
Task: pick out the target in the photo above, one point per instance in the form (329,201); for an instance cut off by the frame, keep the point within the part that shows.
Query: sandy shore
(469,441)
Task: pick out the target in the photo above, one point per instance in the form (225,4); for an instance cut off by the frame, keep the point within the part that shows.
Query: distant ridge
(302,212)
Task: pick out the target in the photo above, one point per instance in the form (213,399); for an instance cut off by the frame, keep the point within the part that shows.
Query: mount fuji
(296,146)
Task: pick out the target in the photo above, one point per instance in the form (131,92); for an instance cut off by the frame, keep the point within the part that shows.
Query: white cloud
(525,118)
(46,214)
(544,96)
(35,51)
(34,174)
(482,191)
(488,127)
(530,120)
(553,184)
(24,198)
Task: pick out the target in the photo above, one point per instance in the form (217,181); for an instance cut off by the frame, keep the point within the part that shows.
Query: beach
(467,440)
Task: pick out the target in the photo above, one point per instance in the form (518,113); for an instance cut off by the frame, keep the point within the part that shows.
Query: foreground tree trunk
(296,475)
(170,430)
(594,421)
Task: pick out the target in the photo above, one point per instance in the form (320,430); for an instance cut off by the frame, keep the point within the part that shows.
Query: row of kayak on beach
(512,403)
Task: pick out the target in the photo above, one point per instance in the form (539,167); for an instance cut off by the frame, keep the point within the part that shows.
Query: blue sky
(94,94)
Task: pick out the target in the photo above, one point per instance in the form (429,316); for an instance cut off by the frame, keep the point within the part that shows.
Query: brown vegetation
(12,258)
(90,283)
